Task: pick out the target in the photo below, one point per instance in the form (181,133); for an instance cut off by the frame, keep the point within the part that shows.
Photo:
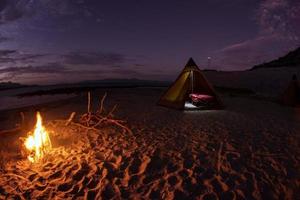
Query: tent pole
(192,80)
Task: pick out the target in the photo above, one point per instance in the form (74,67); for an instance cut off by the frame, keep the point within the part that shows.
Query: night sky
(55,41)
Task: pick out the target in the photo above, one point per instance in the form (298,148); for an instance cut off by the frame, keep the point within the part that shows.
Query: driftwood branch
(70,118)
(89,102)
(94,120)
(101,103)
(110,114)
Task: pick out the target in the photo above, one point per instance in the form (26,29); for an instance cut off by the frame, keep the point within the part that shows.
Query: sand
(250,150)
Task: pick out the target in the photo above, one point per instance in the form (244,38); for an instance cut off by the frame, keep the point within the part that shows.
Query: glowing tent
(191,90)
(291,96)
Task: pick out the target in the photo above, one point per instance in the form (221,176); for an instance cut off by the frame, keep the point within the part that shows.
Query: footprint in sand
(173,180)
(108,192)
(93,183)
(171,167)
(65,186)
(83,170)
(134,166)
(40,187)
(210,196)
(32,177)
(56,175)
(179,195)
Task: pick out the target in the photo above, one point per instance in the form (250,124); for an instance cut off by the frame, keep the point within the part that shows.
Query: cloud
(11,73)
(4,39)
(53,68)
(61,72)
(50,68)
(279,32)
(14,56)
(12,10)
(6,52)
(5,55)
(139,65)
(69,66)
(94,58)
(251,52)
(128,72)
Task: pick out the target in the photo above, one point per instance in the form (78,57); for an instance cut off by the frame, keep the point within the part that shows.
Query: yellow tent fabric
(189,79)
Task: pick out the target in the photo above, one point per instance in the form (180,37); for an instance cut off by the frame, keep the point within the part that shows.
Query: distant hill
(209,70)
(92,85)
(10,85)
(124,83)
(292,59)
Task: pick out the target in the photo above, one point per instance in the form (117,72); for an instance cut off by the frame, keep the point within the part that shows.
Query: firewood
(89,102)
(70,118)
(102,102)
(91,120)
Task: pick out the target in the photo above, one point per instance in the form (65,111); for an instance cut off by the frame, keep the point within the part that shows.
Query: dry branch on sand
(94,120)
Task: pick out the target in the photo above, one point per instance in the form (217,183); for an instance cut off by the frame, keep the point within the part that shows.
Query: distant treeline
(292,59)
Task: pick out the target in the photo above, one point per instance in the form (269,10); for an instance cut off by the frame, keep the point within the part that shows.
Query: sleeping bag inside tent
(191,90)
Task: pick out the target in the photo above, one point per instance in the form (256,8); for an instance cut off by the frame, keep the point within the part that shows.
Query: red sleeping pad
(201,98)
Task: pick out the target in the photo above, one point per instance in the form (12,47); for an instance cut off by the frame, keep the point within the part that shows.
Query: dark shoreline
(78,90)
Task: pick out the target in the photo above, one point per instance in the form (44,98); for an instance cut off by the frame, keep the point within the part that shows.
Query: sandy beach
(249,150)
(183,100)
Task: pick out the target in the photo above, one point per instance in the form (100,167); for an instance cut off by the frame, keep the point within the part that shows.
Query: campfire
(38,142)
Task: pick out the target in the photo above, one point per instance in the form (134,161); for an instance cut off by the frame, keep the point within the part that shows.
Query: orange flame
(39,142)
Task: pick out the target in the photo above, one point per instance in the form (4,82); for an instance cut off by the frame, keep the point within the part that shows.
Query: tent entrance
(199,101)
(196,99)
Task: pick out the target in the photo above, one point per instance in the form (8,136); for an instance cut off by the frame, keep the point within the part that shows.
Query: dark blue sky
(53,41)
